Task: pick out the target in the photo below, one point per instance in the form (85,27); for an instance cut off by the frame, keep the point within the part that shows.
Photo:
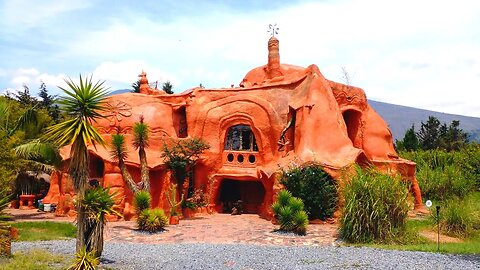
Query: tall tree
(141,133)
(48,103)
(454,137)
(118,152)
(428,134)
(167,87)
(136,87)
(409,141)
(84,103)
(24,97)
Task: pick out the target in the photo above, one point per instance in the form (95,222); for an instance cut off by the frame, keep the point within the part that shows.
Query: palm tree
(29,116)
(119,154)
(140,141)
(83,103)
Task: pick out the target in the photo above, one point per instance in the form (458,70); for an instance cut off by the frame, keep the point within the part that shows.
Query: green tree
(136,87)
(167,87)
(48,103)
(83,103)
(428,135)
(119,154)
(24,97)
(454,138)
(181,157)
(409,141)
(141,133)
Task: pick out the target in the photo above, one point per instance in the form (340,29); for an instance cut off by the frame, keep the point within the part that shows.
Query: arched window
(240,138)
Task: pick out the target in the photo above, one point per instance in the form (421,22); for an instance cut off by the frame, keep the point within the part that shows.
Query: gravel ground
(239,256)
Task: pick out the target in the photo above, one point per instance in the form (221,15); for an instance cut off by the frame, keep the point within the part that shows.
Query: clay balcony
(240,158)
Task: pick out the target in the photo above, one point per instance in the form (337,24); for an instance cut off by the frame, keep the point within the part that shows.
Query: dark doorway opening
(353,122)
(249,195)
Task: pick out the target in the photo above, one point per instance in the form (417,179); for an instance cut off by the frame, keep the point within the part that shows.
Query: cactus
(172,200)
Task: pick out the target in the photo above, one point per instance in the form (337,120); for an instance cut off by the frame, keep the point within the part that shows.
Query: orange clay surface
(295,114)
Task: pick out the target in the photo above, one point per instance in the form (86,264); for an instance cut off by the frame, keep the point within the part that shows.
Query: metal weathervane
(273,29)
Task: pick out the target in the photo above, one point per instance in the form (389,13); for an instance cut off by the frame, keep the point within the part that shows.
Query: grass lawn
(44,230)
(35,260)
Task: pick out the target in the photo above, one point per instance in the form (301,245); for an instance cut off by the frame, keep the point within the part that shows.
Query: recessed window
(240,158)
(230,157)
(240,138)
(251,159)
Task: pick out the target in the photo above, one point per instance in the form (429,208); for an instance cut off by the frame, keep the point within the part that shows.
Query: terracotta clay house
(278,114)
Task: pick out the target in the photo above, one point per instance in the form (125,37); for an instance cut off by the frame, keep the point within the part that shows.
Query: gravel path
(241,256)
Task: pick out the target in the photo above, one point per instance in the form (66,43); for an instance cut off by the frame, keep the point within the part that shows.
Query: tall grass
(375,208)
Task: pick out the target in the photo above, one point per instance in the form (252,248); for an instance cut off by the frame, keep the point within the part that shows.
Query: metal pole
(438,228)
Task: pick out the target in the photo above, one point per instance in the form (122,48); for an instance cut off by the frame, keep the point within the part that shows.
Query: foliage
(85,260)
(5,198)
(97,203)
(409,141)
(442,175)
(152,220)
(375,208)
(48,103)
(34,260)
(42,155)
(141,201)
(84,104)
(289,211)
(44,230)
(314,187)
(118,152)
(167,87)
(141,132)
(457,218)
(181,156)
(172,200)
(136,87)
(433,135)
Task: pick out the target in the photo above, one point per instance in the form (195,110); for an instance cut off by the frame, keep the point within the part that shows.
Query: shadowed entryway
(248,194)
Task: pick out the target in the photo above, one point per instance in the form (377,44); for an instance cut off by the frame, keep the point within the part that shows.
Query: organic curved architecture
(278,114)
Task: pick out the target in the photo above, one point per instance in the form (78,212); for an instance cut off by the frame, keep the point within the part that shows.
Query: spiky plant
(118,153)
(85,260)
(141,133)
(98,203)
(290,214)
(141,201)
(152,220)
(83,103)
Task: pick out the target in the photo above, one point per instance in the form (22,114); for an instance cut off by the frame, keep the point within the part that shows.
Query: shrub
(152,220)
(289,212)
(85,260)
(375,208)
(444,175)
(316,188)
(142,200)
(457,219)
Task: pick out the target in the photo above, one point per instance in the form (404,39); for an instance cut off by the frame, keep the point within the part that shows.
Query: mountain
(119,91)
(400,118)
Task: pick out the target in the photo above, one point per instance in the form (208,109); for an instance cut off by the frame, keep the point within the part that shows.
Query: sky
(423,54)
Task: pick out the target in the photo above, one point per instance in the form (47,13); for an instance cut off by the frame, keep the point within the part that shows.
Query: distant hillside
(400,118)
(120,91)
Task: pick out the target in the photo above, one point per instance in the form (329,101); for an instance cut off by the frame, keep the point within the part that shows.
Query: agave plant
(290,214)
(142,200)
(118,153)
(152,220)
(85,260)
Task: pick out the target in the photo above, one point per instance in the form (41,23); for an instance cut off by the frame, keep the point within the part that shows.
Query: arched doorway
(353,122)
(249,194)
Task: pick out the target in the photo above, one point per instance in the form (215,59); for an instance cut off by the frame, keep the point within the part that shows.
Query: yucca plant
(118,152)
(290,214)
(141,133)
(98,203)
(85,260)
(83,103)
(152,220)
(141,201)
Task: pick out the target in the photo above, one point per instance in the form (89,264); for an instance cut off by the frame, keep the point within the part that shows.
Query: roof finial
(273,29)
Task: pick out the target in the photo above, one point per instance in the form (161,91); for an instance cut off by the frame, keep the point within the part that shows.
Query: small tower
(273,66)
(143,83)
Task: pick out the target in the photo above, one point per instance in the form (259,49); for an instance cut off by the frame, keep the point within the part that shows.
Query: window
(240,138)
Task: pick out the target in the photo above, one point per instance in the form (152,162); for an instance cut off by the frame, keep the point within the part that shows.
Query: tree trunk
(145,177)
(127,177)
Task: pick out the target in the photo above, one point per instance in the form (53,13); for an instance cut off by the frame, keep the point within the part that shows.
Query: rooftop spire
(273,67)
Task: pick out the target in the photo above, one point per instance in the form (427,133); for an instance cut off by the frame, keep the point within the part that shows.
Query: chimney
(273,67)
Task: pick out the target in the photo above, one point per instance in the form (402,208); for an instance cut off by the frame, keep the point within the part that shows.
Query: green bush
(375,208)
(290,214)
(152,220)
(142,201)
(456,219)
(443,175)
(316,188)
(85,260)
